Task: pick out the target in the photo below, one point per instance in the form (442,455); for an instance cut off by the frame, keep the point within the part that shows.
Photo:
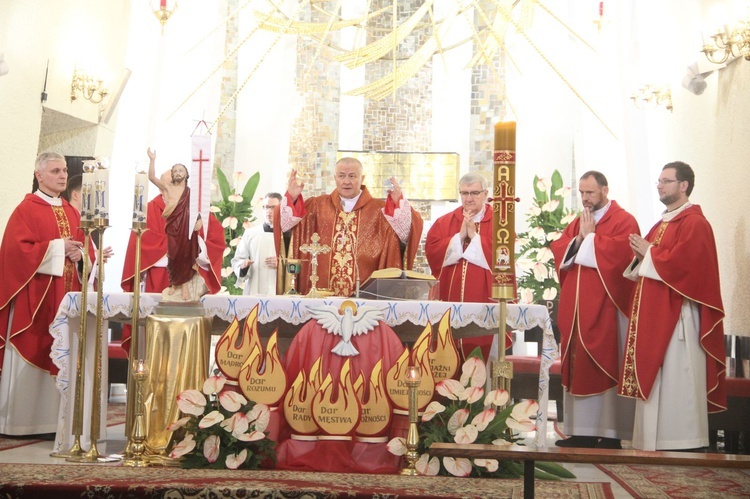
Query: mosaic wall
(226,128)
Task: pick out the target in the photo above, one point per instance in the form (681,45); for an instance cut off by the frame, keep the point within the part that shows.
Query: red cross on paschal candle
(505,200)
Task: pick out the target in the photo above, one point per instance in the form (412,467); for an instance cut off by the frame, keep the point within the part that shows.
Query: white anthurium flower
(213,384)
(527,296)
(214,209)
(554,276)
(247,224)
(210,419)
(232,401)
(543,184)
(521,242)
(253,436)
(212,448)
(238,178)
(473,372)
(551,205)
(226,271)
(497,397)
(184,447)
(178,424)
(230,222)
(227,250)
(525,264)
(426,465)
(260,414)
(538,234)
(235,198)
(568,218)
(234,461)
(236,425)
(433,409)
(471,394)
(563,191)
(466,434)
(457,420)
(483,419)
(234,242)
(450,388)
(544,255)
(519,419)
(501,442)
(540,271)
(457,466)
(549,293)
(491,464)
(554,236)
(397,446)
(534,211)
(191,402)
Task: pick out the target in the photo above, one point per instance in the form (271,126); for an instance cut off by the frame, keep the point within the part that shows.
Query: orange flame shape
(444,358)
(298,400)
(394,381)
(266,387)
(233,348)
(420,356)
(339,417)
(376,408)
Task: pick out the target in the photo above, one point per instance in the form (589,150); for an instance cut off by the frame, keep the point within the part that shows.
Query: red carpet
(674,482)
(94,481)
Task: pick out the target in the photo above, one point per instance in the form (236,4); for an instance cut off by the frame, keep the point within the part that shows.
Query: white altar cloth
(290,309)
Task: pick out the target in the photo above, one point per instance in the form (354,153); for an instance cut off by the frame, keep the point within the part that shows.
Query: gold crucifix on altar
(315,249)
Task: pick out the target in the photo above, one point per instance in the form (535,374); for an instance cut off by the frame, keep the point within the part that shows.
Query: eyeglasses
(471,193)
(665,181)
(269,206)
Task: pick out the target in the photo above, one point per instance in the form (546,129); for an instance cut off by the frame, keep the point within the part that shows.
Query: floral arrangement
(235,212)
(221,431)
(547,218)
(469,417)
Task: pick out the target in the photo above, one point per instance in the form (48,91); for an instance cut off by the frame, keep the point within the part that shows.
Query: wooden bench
(529,455)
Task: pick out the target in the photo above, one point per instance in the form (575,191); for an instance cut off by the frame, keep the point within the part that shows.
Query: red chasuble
(34,297)
(463,281)
(363,235)
(153,249)
(589,301)
(683,252)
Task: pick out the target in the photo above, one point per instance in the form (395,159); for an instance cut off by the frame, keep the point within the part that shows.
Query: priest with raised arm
(593,316)
(364,234)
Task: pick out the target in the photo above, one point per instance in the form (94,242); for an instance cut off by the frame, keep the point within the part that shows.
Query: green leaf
(224,187)
(554,469)
(248,192)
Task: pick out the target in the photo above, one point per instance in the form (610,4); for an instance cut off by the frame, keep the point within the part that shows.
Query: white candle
(102,192)
(87,194)
(140,197)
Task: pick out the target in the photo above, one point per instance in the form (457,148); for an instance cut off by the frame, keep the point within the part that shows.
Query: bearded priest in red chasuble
(590,257)
(364,234)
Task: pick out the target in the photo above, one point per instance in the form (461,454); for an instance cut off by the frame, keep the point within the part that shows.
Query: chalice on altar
(293,268)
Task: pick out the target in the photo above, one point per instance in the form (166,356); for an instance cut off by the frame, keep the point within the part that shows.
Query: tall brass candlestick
(413,378)
(137,440)
(77,426)
(93,455)
(503,240)
(135,340)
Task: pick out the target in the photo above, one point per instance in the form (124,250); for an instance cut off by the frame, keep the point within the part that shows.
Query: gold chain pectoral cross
(315,249)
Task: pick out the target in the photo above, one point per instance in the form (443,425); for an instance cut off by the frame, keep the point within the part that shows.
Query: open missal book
(397,284)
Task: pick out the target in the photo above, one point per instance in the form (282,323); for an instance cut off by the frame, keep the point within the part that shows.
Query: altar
(288,313)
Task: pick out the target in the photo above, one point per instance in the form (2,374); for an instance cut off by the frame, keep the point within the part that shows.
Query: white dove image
(346,321)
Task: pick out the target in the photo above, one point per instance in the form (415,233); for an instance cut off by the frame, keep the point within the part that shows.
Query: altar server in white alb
(255,262)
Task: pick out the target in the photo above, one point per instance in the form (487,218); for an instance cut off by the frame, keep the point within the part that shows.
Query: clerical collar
(51,200)
(267,228)
(479,216)
(669,215)
(598,214)
(348,204)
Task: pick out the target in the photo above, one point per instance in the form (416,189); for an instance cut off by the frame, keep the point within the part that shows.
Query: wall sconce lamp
(728,42)
(90,87)
(164,10)
(652,95)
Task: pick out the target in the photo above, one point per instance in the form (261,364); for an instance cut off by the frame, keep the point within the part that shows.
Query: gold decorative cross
(314,249)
